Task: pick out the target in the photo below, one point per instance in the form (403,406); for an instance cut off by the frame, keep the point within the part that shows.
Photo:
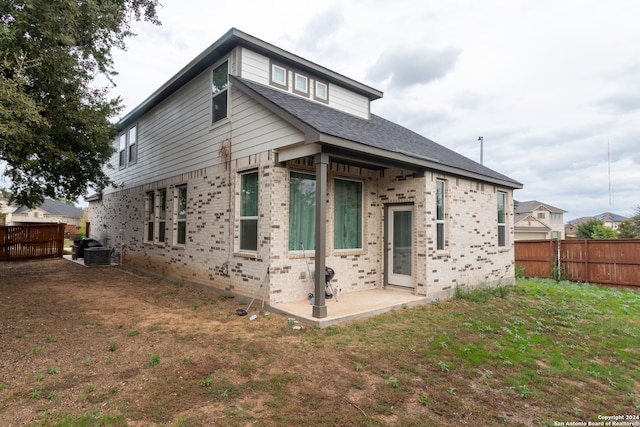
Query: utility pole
(481,139)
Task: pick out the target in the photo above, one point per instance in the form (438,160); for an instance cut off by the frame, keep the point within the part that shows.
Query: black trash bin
(79,245)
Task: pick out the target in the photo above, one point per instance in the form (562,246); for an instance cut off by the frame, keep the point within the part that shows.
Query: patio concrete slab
(351,306)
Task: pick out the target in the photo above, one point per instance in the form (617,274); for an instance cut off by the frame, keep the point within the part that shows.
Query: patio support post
(321,162)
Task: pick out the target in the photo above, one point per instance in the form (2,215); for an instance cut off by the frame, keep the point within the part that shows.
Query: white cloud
(546,83)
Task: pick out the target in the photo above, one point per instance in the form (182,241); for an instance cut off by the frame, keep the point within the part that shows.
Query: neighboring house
(251,154)
(50,211)
(535,220)
(609,219)
(6,209)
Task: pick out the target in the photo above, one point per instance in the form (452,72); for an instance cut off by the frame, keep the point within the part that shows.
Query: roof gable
(533,205)
(520,219)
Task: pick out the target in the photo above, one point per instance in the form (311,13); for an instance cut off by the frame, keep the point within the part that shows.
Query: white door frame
(399,266)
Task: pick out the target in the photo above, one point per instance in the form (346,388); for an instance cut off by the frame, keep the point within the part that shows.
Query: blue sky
(553,87)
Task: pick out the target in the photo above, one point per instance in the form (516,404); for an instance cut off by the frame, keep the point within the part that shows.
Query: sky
(552,87)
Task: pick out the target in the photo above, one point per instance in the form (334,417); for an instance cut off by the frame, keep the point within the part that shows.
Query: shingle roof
(531,205)
(55,207)
(375,132)
(604,217)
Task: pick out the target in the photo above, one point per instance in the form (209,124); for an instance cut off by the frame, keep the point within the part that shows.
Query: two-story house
(535,220)
(252,160)
(609,219)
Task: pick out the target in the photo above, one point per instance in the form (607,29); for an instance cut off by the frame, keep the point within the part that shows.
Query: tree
(55,129)
(601,231)
(585,228)
(628,230)
(636,221)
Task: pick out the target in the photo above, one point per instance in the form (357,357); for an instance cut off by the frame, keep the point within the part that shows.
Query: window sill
(220,123)
(349,252)
(443,254)
(248,255)
(300,254)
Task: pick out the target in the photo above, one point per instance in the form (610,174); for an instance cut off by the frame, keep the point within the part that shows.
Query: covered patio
(351,306)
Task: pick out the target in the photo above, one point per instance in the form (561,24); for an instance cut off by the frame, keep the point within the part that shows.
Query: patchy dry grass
(532,354)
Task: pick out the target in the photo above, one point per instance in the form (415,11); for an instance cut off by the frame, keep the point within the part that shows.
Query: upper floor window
(249,211)
(321,92)
(219,92)
(133,146)
(279,75)
(541,215)
(502,226)
(555,216)
(440,237)
(128,147)
(347,214)
(301,84)
(122,150)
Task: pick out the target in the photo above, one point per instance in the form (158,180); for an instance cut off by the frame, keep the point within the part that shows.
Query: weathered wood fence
(22,242)
(608,262)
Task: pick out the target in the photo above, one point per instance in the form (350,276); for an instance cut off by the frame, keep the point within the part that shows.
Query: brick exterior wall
(211,256)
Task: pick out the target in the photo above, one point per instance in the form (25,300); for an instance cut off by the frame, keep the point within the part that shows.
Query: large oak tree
(55,128)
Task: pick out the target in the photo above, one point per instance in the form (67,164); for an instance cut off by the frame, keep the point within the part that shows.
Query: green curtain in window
(347,215)
(249,205)
(249,212)
(302,211)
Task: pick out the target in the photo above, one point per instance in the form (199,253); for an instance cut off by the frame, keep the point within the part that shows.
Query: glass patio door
(400,246)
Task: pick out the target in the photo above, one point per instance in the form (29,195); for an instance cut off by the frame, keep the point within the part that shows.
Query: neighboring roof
(532,205)
(518,218)
(604,217)
(393,141)
(610,217)
(55,207)
(220,49)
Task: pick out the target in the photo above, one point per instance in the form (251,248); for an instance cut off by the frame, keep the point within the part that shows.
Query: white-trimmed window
(219,92)
(321,92)
(301,84)
(347,214)
(128,147)
(162,215)
(440,215)
(133,146)
(122,150)
(180,236)
(155,216)
(302,211)
(249,211)
(502,226)
(150,209)
(278,75)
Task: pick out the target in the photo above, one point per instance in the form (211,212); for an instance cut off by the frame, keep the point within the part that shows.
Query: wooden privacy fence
(21,242)
(607,262)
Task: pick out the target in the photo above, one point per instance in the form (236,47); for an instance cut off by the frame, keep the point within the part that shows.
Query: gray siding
(176,136)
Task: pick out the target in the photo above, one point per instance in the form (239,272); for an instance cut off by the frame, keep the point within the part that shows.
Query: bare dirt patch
(79,339)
